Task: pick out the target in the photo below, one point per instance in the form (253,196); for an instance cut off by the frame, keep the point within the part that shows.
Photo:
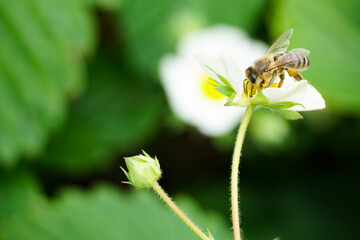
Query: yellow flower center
(208,88)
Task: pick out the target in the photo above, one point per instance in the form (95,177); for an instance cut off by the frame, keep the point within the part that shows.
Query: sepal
(143,171)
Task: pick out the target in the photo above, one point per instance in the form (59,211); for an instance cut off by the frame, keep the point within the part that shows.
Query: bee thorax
(261,64)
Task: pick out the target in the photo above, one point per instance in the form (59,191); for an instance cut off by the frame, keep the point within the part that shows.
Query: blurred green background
(79,90)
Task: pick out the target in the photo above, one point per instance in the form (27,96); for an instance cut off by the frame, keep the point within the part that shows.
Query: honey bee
(274,63)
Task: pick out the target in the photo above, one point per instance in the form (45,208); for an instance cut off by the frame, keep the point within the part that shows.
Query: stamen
(207,86)
(249,89)
(252,90)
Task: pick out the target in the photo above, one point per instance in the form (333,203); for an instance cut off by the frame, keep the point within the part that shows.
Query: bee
(274,63)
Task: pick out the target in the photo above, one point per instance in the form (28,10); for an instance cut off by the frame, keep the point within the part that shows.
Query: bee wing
(302,51)
(283,60)
(281,44)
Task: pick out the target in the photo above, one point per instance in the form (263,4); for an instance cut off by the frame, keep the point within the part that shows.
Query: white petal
(223,66)
(294,92)
(312,100)
(211,66)
(181,80)
(288,80)
(223,39)
(234,74)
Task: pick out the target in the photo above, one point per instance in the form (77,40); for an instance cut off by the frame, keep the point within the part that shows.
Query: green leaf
(43,45)
(103,212)
(153,28)
(290,114)
(225,90)
(109,5)
(283,105)
(260,99)
(19,193)
(330,30)
(115,115)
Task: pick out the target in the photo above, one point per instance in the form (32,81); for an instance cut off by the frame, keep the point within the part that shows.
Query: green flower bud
(144,171)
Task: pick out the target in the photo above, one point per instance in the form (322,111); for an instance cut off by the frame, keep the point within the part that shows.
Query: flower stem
(235,172)
(160,191)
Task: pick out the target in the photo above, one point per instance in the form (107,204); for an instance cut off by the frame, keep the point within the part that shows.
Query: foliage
(100,213)
(40,67)
(115,114)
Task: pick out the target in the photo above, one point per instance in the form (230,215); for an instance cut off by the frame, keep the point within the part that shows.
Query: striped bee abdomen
(295,60)
(291,60)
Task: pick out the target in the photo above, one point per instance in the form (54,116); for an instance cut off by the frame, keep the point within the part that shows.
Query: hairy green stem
(160,191)
(235,172)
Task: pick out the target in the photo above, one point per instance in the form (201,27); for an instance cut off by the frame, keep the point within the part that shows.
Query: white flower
(294,95)
(191,97)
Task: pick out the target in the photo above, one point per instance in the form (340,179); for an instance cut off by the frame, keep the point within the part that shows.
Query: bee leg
(271,82)
(294,73)
(244,86)
(282,78)
(298,77)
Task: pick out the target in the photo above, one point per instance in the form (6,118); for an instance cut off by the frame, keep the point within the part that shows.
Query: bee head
(251,82)
(250,76)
